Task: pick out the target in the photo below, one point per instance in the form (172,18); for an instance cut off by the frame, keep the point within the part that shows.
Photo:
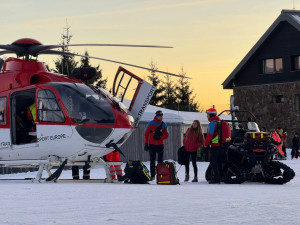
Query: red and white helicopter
(75,123)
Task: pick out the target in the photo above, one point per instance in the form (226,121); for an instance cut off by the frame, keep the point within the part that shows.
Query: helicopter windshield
(83,104)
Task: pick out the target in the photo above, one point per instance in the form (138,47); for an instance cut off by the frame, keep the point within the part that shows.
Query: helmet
(159,113)
(212,111)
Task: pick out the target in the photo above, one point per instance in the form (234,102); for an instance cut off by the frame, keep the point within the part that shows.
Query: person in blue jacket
(216,148)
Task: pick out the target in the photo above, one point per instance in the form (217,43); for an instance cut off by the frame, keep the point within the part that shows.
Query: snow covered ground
(24,202)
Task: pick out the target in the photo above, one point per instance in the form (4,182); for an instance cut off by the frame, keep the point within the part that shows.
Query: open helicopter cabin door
(133,88)
(22,127)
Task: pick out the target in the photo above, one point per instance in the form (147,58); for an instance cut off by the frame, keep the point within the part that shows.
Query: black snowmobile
(250,154)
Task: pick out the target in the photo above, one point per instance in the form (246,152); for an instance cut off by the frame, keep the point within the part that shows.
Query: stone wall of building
(261,102)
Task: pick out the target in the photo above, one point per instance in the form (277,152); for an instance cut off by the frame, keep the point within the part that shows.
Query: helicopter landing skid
(39,174)
(57,173)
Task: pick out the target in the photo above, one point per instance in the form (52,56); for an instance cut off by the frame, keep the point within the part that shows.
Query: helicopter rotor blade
(106,45)
(6,52)
(35,50)
(108,60)
(10,47)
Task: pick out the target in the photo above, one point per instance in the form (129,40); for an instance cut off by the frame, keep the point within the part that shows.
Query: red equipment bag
(166,173)
(259,136)
(224,131)
(258,141)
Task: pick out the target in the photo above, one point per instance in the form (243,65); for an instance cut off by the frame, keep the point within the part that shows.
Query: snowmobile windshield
(83,104)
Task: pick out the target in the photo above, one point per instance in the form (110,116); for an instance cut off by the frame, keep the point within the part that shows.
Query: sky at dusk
(210,37)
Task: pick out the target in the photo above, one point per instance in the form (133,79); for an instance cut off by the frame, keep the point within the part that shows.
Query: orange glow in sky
(210,37)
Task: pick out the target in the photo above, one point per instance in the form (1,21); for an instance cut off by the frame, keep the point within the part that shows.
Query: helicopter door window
(48,108)
(3,111)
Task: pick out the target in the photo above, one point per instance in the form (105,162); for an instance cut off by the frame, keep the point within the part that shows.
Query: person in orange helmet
(212,142)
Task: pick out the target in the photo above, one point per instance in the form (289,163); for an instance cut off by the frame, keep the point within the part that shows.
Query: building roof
(172,116)
(290,16)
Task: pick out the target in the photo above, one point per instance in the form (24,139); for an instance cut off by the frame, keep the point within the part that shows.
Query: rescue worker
(31,114)
(276,140)
(280,131)
(115,170)
(155,134)
(217,151)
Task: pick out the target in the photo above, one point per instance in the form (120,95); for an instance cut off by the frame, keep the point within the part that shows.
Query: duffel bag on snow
(136,173)
(181,152)
(166,173)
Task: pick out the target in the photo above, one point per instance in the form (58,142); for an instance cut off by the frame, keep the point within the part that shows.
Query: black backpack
(136,173)
(181,153)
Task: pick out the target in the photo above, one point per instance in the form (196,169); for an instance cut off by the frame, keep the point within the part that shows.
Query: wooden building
(267,81)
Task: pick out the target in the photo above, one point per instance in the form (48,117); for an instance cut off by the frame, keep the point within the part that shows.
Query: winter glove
(146,147)
(204,151)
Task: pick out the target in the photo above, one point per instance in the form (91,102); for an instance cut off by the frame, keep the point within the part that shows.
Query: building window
(297,102)
(295,63)
(277,99)
(272,65)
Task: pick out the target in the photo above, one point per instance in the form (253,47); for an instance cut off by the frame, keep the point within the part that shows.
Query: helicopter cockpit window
(48,108)
(83,104)
(2,111)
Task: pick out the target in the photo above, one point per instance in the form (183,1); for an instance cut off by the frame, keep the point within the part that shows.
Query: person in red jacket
(155,134)
(193,139)
(283,141)
(217,150)
(277,141)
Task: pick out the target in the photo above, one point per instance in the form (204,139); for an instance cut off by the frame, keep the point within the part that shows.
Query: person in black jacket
(295,147)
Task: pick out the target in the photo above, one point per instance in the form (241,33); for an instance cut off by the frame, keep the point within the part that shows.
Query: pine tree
(154,80)
(65,63)
(184,94)
(97,80)
(168,87)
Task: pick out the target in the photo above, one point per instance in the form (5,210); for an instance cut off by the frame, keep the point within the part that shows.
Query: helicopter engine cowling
(84,73)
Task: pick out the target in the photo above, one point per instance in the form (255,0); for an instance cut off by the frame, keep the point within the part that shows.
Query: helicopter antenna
(293,4)
(66,37)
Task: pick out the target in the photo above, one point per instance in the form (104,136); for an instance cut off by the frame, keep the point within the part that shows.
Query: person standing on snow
(114,170)
(155,134)
(295,147)
(212,142)
(193,139)
(283,141)
(276,140)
